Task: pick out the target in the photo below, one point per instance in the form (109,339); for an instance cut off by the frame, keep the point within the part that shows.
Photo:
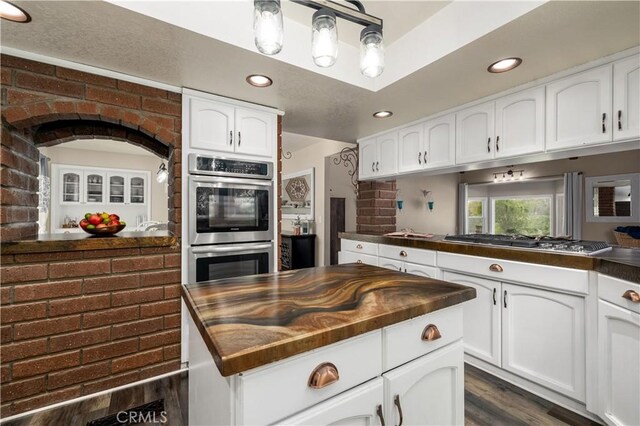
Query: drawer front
(552,277)
(406,254)
(612,290)
(359,247)
(351,257)
(392,264)
(271,393)
(403,342)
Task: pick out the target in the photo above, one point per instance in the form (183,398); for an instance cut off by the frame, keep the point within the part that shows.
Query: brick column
(376,212)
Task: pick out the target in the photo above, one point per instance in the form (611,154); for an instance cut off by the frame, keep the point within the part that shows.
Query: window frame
(485,214)
(549,197)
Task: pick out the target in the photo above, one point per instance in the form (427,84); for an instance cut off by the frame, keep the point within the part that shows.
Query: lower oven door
(208,263)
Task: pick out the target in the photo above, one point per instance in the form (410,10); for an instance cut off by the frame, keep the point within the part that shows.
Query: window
(527,215)
(476,215)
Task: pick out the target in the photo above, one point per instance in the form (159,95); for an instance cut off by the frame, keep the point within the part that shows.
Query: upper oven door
(228,210)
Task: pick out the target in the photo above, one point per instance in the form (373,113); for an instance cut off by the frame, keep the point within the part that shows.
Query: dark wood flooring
(490,401)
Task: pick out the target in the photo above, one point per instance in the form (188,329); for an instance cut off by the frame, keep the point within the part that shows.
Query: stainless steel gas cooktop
(555,244)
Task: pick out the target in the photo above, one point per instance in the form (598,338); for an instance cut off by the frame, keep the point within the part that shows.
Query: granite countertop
(247,322)
(623,263)
(83,241)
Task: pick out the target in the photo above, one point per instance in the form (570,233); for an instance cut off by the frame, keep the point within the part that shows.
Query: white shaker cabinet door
(626,98)
(475,133)
(428,390)
(618,365)
(440,142)
(212,125)
(543,338)
(255,132)
(421,270)
(579,109)
(410,149)
(520,123)
(368,151)
(387,158)
(481,319)
(394,265)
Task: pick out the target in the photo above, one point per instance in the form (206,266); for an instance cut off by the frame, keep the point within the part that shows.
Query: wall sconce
(429,198)
(162,173)
(508,175)
(399,201)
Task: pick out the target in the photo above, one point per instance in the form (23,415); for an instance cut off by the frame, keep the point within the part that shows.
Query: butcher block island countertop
(250,321)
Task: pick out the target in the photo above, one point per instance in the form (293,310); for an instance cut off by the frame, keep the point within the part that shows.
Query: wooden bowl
(106,231)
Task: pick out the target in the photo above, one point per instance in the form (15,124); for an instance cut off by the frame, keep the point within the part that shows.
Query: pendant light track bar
(342,11)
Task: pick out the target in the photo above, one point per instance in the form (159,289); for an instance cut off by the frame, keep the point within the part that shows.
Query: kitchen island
(305,346)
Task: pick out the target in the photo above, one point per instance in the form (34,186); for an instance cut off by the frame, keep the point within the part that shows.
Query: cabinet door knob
(403,253)
(396,402)
(604,123)
(359,246)
(377,163)
(380,415)
(632,296)
(489,145)
(431,332)
(231,137)
(495,268)
(497,143)
(419,158)
(323,375)
(373,166)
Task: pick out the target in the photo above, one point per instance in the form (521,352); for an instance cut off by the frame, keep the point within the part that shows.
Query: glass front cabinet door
(94,187)
(138,189)
(71,186)
(116,188)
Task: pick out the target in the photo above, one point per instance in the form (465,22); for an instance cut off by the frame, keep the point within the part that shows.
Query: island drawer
(351,257)
(270,393)
(405,341)
(406,254)
(359,247)
(612,290)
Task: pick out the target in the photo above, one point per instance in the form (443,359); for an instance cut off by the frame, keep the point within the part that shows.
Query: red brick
(159,278)
(113,97)
(46,327)
(174,96)
(5,374)
(172,291)
(171,321)
(109,350)
(141,90)
(85,77)
(162,107)
(110,283)
(6,76)
(111,316)
(15,114)
(47,257)
(22,350)
(79,269)
(5,295)
(6,334)
(78,339)
(45,84)
(159,369)
(136,328)
(77,375)
(47,399)
(111,382)
(160,308)
(141,263)
(131,297)
(45,364)
(111,114)
(23,312)
(138,360)
(160,339)
(171,352)
(95,254)
(87,110)
(6,259)
(172,260)
(162,121)
(65,110)
(78,304)
(22,389)
(22,273)
(386,212)
(48,290)
(20,97)
(27,65)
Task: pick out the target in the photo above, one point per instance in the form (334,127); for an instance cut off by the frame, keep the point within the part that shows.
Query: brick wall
(44,104)
(376,212)
(74,323)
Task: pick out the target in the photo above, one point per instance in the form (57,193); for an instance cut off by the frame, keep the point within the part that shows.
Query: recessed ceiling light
(504,65)
(13,13)
(382,114)
(258,80)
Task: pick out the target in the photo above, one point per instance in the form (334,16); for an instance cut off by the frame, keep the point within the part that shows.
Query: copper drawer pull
(359,246)
(632,296)
(403,253)
(495,268)
(358,261)
(323,375)
(431,332)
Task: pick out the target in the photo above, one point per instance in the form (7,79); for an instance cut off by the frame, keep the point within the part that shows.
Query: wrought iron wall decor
(349,157)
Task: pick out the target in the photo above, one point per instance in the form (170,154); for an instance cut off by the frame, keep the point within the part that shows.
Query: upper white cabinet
(378,156)
(520,123)
(410,148)
(439,142)
(216,126)
(579,109)
(475,133)
(626,98)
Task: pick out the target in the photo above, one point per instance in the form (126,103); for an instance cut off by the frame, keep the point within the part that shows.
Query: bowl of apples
(102,224)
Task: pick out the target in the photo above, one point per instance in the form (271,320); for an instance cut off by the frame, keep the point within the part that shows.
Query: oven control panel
(219,166)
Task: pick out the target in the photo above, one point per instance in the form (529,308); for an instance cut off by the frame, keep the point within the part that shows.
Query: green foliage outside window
(523,216)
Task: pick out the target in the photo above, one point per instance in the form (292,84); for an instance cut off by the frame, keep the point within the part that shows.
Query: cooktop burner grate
(536,243)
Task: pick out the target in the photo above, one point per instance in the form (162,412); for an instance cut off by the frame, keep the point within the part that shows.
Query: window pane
(475,216)
(475,225)
(530,216)
(474,209)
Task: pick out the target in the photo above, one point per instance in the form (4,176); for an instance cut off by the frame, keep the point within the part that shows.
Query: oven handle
(217,180)
(229,249)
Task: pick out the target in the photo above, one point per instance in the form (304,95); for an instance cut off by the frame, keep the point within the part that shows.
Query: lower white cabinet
(408,267)
(352,257)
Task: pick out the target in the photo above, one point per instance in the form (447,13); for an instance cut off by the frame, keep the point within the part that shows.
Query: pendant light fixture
(267,26)
(268,32)
(324,38)
(371,51)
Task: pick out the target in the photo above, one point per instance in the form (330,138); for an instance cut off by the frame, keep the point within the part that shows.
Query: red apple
(113,223)
(114,216)
(95,219)
(84,223)
(101,225)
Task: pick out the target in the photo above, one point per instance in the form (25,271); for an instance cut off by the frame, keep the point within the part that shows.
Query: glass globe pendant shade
(267,26)
(371,51)
(324,38)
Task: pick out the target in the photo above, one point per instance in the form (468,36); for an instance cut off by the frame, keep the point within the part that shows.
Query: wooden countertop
(623,263)
(251,321)
(73,242)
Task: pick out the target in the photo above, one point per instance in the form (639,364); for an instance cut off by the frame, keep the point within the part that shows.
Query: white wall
(308,152)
